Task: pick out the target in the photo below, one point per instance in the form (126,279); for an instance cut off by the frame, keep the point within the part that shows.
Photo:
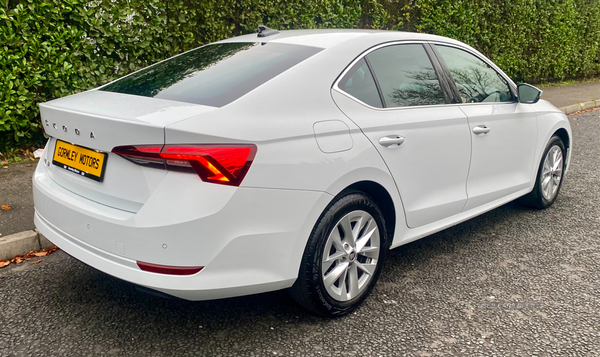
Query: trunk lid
(100,121)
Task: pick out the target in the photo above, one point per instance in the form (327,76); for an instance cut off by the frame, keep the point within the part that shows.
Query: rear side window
(406,76)
(476,80)
(359,83)
(213,75)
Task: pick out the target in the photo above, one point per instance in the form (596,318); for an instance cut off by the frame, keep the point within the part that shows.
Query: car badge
(92,136)
(77,132)
(64,128)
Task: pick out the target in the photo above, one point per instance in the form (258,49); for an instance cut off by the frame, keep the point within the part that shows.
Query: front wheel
(343,256)
(549,176)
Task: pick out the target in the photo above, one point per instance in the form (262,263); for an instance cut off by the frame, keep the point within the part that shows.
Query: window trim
(437,65)
(377,86)
(438,71)
(445,83)
(512,87)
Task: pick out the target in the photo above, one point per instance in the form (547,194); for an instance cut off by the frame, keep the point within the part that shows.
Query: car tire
(549,176)
(343,257)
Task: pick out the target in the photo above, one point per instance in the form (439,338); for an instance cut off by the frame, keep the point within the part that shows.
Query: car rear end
(174,217)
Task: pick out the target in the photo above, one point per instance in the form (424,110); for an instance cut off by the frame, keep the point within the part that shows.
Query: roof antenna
(264,31)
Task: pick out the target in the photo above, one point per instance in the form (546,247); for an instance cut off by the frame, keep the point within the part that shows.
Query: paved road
(453,293)
(15,191)
(561,96)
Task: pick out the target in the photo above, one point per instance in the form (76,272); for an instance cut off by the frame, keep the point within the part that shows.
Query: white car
(290,159)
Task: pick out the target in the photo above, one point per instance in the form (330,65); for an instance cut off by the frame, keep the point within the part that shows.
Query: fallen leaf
(21,258)
(29,165)
(4,162)
(6,207)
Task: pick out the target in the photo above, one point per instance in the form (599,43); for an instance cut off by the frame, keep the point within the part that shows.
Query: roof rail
(264,31)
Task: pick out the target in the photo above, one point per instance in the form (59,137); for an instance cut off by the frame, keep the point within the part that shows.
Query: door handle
(481,129)
(392,141)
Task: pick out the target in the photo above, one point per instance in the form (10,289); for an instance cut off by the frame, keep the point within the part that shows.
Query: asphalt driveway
(512,282)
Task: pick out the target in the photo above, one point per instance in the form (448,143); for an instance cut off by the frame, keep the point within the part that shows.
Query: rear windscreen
(213,75)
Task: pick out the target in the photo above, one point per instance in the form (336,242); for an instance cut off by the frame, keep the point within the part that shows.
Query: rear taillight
(223,164)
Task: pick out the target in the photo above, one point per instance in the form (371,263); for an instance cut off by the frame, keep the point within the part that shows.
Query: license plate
(80,160)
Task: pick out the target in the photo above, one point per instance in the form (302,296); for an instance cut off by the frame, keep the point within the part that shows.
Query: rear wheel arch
(381,197)
(333,290)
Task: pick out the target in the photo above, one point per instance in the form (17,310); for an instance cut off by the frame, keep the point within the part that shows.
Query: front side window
(359,83)
(406,76)
(213,75)
(475,80)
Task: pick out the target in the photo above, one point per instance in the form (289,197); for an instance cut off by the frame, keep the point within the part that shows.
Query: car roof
(328,38)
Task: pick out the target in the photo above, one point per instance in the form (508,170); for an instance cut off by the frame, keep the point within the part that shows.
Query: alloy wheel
(350,256)
(552,172)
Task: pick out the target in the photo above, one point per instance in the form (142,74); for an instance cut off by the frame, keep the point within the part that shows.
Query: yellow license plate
(80,160)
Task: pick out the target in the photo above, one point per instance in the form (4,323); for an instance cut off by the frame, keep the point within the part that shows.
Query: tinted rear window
(213,75)
(406,76)
(359,83)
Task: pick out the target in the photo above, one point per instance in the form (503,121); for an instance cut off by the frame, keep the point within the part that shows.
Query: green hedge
(52,48)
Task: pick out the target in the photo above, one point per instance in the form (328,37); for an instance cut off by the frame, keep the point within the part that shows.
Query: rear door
(395,96)
(503,131)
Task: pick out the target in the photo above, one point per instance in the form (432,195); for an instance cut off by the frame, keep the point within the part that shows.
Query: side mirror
(528,93)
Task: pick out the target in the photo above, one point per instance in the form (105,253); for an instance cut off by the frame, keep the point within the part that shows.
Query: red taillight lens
(215,163)
(148,155)
(165,269)
(223,164)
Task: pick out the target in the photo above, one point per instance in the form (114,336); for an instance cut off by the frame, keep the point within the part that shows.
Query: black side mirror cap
(528,94)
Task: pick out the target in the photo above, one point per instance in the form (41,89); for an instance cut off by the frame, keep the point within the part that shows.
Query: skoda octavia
(292,159)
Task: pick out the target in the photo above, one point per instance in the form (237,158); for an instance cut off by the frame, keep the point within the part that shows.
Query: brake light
(223,164)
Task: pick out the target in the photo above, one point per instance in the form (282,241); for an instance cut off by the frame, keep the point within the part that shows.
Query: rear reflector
(165,269)
(223,164)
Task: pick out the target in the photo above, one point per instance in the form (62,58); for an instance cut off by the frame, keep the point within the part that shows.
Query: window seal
(441,74)
(383,104)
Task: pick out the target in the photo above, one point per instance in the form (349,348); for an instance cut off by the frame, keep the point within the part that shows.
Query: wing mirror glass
(528,93)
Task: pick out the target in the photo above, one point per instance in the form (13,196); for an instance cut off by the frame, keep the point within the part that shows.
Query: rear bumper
(249,240)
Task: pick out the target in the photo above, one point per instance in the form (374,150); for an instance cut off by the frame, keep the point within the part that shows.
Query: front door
(503,131)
